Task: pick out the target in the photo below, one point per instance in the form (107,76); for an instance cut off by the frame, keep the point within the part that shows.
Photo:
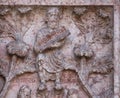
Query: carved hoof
(42,86)
(58,86)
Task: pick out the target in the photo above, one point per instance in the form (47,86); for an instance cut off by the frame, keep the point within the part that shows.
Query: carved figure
(24,92)
(51,37)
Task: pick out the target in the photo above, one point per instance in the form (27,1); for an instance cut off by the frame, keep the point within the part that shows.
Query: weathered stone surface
(57,2)
(59,51)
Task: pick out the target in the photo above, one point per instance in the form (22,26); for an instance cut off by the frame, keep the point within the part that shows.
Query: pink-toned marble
(91,51)
(58,2)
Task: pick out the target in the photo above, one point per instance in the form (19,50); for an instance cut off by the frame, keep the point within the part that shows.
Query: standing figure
(47,46)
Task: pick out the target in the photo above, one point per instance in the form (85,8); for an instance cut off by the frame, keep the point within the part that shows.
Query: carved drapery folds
(68,49)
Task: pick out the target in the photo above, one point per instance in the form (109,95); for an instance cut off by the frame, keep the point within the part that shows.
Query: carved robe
(51,59)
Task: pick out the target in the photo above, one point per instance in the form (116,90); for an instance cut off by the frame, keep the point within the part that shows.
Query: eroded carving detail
(24,10)
(84,52)
(49,40)
(17,49)
(95,50)
(24,92)
(67,66)
(4,10)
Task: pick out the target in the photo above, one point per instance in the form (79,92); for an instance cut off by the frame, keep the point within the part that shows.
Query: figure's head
(53,17)
(24,92)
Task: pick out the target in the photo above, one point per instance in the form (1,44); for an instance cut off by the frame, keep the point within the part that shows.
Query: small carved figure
(24,92)
(48,40)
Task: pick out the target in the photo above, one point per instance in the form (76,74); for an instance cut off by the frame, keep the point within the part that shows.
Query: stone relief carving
(87,69)
(48,42)
(84,53)
(16,49)
(24,92)
(95,27)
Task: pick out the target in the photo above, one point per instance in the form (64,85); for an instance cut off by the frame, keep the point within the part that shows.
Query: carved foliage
(93,54)
(95,27)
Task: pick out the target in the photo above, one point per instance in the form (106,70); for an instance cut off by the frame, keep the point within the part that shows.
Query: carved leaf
(103,65)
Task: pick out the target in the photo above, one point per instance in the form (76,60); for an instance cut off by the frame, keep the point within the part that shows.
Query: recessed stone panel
(56,51)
